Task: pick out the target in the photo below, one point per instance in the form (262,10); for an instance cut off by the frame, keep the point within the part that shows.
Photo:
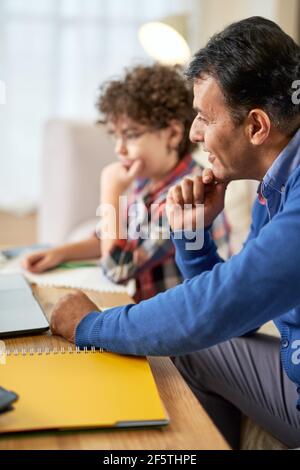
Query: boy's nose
(120,147)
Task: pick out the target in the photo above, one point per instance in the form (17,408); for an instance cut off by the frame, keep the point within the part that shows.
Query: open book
(85,278)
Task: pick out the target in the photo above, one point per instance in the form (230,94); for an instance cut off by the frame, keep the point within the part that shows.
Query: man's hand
(68,313)
(199,190)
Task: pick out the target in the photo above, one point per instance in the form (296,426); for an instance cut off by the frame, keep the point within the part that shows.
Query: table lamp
(166,40)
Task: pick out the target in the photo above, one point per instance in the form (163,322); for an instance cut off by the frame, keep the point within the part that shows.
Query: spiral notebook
(73,389)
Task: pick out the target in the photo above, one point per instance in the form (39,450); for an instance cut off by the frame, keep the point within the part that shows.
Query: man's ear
(258,126)
(176,131)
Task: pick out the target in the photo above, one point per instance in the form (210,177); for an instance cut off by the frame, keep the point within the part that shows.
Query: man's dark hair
(255,63)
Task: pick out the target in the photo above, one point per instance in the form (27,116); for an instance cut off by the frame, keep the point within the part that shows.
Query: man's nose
(196,132)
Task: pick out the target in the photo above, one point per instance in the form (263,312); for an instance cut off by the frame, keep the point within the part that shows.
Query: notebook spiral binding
(48,351)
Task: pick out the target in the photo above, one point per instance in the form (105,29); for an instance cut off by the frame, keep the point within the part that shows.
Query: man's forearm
(194,262)
(227,301)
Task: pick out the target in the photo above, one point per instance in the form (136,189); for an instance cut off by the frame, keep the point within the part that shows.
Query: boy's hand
(68,313)
(116,178)
(199,190)
(43,260)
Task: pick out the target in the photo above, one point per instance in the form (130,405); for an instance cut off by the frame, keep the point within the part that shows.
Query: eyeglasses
(129,135)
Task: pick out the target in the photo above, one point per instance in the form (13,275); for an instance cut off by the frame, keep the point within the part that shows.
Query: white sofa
(74,154)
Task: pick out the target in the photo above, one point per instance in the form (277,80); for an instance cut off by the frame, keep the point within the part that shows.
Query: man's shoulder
(294,179)
(292,187)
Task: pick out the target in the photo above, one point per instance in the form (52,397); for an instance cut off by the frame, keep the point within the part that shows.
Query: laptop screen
(20,312)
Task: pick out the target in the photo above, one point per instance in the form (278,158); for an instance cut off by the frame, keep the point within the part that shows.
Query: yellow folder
(69,390)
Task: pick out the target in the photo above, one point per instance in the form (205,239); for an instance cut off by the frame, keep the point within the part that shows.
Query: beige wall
(288,12)
(211,16)
(17,230)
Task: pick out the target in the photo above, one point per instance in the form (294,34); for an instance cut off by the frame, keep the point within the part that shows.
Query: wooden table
(190,428)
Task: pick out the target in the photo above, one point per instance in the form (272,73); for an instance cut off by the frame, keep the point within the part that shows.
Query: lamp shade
(166,40)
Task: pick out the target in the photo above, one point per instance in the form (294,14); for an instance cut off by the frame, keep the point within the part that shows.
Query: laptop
(20,313)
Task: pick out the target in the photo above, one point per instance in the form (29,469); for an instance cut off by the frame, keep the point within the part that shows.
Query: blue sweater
(222,300)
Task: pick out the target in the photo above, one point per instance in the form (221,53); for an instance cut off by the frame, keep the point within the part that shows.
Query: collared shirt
(272,187)
(148,254)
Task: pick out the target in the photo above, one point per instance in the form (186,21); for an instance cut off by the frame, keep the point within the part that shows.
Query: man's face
(228,147)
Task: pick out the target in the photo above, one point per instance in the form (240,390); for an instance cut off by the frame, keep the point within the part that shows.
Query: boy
(149,112)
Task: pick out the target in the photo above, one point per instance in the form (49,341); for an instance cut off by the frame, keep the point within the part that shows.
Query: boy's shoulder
(144,188)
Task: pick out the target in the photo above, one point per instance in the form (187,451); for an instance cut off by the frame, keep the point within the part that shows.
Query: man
(249,123)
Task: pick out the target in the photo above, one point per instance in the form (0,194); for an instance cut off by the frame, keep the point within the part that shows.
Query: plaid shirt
(150,260)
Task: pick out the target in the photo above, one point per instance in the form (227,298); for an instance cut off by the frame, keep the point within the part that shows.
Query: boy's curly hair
(153,96)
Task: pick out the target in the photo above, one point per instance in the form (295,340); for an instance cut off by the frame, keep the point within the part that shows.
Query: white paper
(85,278)
(78,278)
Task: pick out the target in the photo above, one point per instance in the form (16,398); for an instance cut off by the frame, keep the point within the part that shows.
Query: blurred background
(54,54)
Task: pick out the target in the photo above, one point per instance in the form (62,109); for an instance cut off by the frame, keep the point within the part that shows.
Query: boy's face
(139,142)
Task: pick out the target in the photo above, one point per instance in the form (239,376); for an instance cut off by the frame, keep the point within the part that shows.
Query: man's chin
(220,175)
